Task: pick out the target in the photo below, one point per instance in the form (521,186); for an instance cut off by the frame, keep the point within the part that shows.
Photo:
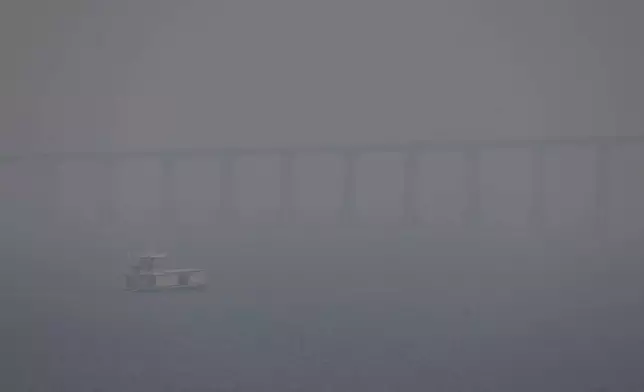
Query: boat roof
(153,256)
(176,271)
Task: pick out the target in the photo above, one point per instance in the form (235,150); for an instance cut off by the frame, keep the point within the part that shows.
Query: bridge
(603,149)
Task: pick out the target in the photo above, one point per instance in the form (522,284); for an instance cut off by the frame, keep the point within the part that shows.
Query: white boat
(144,276)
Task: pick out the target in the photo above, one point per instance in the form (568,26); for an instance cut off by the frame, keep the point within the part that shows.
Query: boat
(145,276)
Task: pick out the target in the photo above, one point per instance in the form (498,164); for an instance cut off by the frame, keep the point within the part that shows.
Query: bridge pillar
(537,218)
(411,177)
(46,194)
(106,207)
(168,192)
(348,209)
(473,186)
(227,189)
(287,187)
(602,189)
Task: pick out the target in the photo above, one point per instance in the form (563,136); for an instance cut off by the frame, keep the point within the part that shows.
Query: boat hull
(170,280)
(176,288)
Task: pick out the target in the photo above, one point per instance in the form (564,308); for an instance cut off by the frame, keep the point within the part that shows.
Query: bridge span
(603,149)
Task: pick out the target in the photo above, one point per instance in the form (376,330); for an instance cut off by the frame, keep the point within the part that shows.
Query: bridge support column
(602,187)
(168,196)
(227,189)
(106,207)
(538,218)
(348,209)
(411,177)
(287,187)
(44,207)
(473,186)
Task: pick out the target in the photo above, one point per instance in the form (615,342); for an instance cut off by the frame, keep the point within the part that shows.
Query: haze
(541,293)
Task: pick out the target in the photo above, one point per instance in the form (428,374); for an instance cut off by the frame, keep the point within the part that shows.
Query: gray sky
(146,73)
(94,75)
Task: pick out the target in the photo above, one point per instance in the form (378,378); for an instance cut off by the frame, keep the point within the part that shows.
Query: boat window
(147,264)
(150,281)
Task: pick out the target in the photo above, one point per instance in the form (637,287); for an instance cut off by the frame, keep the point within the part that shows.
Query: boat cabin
(144,276)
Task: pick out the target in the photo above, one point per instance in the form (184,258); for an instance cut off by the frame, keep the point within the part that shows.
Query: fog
(518,272)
